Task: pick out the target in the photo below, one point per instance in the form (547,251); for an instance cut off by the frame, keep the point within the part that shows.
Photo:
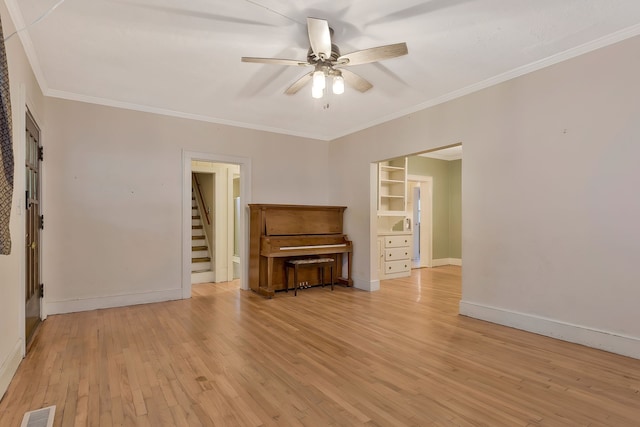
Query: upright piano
(281,232)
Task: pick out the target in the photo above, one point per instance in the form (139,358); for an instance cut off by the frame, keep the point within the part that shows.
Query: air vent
(39,418)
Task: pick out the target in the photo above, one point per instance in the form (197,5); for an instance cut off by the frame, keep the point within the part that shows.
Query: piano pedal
(303,285)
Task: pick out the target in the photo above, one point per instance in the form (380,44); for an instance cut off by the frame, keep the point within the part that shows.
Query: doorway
(420,213)
(213,221)
(437,233)
(222,256)
(33,226)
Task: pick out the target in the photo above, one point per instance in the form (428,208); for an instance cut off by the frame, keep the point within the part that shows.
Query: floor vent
(39,418)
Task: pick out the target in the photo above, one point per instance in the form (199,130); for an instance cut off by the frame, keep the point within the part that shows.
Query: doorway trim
(426,216)
(19,118)
(33,226)
(245,199)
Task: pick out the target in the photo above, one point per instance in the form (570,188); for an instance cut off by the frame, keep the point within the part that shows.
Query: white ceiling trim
(501,78)
(18,21)
(71,96)
(27,44)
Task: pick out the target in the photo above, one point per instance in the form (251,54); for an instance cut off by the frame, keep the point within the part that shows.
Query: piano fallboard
(290,246)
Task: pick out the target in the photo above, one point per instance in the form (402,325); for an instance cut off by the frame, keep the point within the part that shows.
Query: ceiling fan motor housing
(335,54)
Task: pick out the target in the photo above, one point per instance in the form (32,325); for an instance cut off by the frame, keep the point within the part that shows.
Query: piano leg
(346,281)
(270,276)
(286,278)
(331,270)
(349,280)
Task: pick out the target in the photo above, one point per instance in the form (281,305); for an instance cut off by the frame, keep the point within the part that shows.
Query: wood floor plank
(401,356)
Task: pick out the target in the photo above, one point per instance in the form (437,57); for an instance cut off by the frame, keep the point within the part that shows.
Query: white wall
(550,195)
(114,192)
(24,88)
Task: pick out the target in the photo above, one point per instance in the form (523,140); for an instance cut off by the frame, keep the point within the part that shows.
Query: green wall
(455,209)
(447,196)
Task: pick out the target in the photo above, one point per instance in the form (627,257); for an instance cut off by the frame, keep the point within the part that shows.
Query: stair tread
(197,237)
(196,227)
(198,248)
(203,259)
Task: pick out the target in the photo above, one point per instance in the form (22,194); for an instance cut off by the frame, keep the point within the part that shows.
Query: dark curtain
(6,152)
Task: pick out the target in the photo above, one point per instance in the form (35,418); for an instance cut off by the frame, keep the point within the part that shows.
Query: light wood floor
(401,356)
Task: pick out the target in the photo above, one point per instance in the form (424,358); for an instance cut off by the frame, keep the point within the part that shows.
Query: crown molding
(72,96)
(605,41)
(27,44)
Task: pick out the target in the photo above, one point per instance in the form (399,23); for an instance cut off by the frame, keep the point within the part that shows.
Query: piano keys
(280,232)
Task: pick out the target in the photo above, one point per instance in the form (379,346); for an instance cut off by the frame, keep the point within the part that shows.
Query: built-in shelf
(392,188)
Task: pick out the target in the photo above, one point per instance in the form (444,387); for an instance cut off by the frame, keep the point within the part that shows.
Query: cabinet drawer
(397,241)
(397,266)
(394,254)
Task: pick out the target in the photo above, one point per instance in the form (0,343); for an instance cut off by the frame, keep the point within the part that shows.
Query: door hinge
(40,153)
(41,290)
(41,224)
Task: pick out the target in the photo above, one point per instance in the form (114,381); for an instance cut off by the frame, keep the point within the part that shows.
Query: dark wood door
(33,295)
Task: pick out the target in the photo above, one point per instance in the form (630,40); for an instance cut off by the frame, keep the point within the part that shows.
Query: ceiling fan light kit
(319,80)
(317,92)
(325,57)
(338,84)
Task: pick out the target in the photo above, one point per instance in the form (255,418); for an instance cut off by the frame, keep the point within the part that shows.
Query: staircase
(201,268)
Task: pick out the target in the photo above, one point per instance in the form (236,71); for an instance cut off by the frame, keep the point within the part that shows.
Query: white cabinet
(394,247)
(394,255)
(392,187)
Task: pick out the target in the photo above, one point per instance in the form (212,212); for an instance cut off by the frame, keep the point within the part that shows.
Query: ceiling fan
(327,61)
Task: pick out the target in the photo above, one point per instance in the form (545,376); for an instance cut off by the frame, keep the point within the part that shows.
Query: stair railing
(202,203)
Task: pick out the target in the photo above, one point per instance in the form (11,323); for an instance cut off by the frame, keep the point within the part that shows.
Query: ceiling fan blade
(275,61)
(373,54)
(299,84)
(354,80)
(319,38)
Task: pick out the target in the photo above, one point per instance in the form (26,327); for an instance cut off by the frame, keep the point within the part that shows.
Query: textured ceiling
(183,57)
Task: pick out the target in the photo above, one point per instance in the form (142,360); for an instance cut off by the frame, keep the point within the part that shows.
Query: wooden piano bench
(319,263)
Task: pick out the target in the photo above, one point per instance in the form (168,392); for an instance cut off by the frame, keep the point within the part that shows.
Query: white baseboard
(370,286)
(86,304)
(603,340)
(446,261)
(9,367)
(203,277)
